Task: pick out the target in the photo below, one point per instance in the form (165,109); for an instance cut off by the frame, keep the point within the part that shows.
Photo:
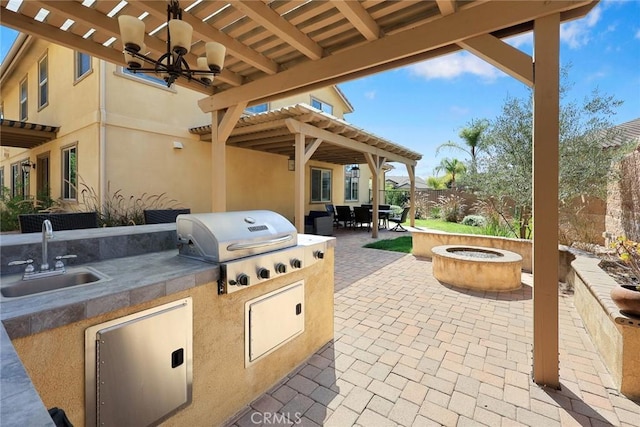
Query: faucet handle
(28,261)
(59,265)
(29,269)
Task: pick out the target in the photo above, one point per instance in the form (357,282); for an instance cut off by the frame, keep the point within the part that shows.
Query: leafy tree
(505,171)
(452,168)
(436,183)
(471,136)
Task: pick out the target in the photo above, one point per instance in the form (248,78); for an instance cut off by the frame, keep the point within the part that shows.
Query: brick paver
(410,351)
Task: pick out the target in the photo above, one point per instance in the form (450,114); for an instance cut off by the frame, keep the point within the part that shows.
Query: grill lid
(224,236)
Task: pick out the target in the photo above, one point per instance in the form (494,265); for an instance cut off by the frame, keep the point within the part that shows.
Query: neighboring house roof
(628,132)
(350,108)
(26,135)
(343,143)
(403,182)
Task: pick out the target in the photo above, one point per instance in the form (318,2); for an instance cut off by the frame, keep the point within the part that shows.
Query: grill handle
(241,246)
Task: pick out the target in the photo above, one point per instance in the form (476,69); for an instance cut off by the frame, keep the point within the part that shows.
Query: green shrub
(474,220)
(11,207)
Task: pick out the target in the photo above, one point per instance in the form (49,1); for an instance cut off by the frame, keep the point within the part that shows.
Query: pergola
(281,48)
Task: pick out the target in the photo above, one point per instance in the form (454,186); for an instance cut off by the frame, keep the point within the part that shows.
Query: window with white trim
(43,82)
(322,106)
(2,182)
(254,109)
(350,184)
(23,100)
(320,185)
(19,180)
(70,172)
(151,78)
(82,65)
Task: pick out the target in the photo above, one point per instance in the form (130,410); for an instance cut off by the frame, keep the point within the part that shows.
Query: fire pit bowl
(478,268)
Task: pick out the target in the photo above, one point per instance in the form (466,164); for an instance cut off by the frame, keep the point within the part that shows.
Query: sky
(426,104)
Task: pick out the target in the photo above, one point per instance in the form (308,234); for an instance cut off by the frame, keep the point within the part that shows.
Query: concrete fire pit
(478,268)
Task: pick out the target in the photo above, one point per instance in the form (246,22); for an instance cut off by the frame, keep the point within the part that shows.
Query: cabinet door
(143,367)
(274,319)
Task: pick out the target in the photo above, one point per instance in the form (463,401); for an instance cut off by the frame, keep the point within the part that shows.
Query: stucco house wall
(133,138)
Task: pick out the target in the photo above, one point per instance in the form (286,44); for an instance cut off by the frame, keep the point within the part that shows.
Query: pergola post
(545,200)
(218,167)
(298,187)
(411,170)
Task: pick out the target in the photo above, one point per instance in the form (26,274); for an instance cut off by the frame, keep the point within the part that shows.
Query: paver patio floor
(409,351)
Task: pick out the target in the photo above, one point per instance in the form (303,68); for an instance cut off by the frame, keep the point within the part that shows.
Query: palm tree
(451,167)
(470,135)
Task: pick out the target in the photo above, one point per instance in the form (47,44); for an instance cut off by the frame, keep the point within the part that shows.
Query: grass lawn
(399,244)
(450,227)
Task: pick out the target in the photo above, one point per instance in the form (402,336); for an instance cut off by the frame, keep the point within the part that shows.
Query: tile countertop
(133,280)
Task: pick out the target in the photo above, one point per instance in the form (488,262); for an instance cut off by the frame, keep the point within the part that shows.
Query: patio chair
(384,216)
(332,211)
(163,216)
(362,216)
(32,223)
(318,222)
(398,220)
(344,216)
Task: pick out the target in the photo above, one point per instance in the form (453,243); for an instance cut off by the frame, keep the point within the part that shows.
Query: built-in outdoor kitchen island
(249,329)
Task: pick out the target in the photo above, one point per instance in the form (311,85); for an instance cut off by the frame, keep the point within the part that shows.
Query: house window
(350,185)
(2,182)
(320,185)
(146,77)
(260,108)
(19,180)
(23,100)
(82,65)
(70,172)
(43,82)
(322,106)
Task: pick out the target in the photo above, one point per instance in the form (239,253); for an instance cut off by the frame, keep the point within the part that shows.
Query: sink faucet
(45,271)
(47,233)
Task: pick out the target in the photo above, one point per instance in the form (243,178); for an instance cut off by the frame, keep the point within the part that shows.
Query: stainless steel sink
(16,287)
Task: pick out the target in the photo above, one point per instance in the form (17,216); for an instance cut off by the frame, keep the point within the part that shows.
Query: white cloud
(452,66)
(521,40)
(638,34)
(578,33)
(459,111)
(370,94)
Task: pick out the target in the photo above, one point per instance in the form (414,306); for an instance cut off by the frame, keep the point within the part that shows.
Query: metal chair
(332,211)
(398,220)
(344,215)
(362,216)
(163,216)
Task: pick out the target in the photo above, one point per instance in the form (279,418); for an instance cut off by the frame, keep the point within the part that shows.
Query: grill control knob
(296,263)
(281,268)
(264,273)
(318,254)
(242,280)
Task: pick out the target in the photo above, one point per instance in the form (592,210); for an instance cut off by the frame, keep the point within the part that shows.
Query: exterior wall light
(26,166)
(172,64)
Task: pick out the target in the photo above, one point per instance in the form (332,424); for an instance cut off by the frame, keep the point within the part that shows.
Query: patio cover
(280,48)
(24,134)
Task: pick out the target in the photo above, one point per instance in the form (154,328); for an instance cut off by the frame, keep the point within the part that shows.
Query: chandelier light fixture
(355,171)
(172,64)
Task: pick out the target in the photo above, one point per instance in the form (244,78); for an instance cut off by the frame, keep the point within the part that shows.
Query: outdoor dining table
(386,213)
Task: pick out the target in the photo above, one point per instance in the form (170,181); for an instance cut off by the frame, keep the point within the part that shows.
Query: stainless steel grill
(250,246)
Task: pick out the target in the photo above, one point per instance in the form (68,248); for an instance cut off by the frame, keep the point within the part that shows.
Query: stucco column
(218,167)
(545,200)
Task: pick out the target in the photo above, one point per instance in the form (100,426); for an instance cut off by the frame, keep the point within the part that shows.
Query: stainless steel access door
(143,366)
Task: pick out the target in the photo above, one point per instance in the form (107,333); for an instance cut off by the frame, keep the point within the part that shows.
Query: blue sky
(425,104)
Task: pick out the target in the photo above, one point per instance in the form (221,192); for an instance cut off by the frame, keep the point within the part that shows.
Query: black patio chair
(163,216)
(398,220)
(362,216)
(344,216)
(332,211)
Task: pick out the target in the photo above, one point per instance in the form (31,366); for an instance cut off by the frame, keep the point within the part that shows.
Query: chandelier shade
(172,64)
